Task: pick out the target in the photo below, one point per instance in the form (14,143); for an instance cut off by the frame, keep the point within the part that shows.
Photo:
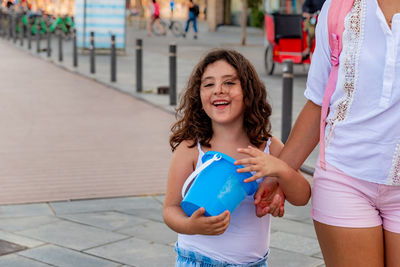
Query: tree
(244,21)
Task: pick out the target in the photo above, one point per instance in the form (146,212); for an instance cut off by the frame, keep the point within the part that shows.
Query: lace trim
(353,36)
(394,175)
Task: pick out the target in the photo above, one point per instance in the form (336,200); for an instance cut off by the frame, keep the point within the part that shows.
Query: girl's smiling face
(221,93)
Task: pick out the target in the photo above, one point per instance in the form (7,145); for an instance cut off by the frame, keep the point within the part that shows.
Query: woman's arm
(182,165)
(304,136)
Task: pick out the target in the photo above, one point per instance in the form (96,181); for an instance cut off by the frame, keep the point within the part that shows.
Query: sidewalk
(64,134)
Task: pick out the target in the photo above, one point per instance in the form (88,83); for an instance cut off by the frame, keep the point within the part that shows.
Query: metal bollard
(139,74)
(48,43)
(9,27)
(287,99)
(1,23)
(92,54)
(22,33)
(38,42)
(74,49)
(113,60)
(29,35)
(172,74)
(14,28)
(60,47)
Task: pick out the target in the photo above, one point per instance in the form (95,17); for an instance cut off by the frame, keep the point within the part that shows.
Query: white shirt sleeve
(320,64)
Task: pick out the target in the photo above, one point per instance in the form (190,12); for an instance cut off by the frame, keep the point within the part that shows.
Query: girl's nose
(219,89)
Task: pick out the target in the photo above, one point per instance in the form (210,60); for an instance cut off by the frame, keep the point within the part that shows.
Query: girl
(224,108)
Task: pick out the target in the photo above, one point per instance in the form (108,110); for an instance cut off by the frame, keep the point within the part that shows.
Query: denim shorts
(186,258)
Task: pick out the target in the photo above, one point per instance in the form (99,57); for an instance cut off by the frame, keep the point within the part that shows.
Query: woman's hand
(269,198)
(214,225)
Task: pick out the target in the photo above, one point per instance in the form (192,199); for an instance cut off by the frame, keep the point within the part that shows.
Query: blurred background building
(215,12)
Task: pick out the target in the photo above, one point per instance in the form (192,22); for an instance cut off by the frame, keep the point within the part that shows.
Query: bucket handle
(196,172)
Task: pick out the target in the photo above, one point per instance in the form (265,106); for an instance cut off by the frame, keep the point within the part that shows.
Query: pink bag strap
(337,13)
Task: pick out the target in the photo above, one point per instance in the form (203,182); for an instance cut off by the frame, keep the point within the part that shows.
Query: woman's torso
(363,125)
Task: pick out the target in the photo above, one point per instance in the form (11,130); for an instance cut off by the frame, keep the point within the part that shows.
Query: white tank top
(245,240)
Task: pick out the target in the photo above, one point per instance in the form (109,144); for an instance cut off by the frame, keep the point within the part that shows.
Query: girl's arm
(302,140)
(295,187)
(182,165)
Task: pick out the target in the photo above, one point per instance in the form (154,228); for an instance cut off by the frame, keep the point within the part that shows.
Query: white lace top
(245,240)
(363,131)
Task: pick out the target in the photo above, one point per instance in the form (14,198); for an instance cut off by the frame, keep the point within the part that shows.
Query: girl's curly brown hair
(193,123)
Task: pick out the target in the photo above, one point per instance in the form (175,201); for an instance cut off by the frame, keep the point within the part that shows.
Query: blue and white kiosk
(104,18)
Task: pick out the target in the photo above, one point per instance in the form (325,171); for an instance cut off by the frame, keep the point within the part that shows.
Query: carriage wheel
(269,60)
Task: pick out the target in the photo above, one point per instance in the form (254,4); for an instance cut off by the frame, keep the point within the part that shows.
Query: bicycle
(174,26)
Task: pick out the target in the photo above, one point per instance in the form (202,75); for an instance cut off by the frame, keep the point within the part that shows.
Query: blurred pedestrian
(155,17)
(192,17)
(311,9)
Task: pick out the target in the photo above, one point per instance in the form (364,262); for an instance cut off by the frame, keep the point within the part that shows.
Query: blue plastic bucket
(217,186)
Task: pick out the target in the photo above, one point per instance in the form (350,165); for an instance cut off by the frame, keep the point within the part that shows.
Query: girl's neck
(228,139)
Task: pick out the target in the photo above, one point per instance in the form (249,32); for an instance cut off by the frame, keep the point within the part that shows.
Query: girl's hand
(259,162)
(214,225)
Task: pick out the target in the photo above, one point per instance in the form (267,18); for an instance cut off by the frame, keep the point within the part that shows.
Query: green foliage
(254,4)
(256,18)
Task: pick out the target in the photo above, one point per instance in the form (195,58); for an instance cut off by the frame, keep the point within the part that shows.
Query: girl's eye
(229,83)
(208,85)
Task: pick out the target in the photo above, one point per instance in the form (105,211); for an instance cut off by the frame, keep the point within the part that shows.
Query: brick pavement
(65,137)
(83,129)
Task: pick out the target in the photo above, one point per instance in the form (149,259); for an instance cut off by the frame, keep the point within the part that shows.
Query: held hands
(214,225)
(269,197)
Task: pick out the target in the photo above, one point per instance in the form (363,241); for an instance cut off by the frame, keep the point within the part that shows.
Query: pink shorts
(341,200)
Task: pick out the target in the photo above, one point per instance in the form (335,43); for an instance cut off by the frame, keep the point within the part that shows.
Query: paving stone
(294,227)
(14,260)
(137,252)
(152,231)
(107,204)
(72,235)
(281,258)
(160,198)
(298,244)
(108,220)
(24,210)
(20,240)
(149,213)
(24,223)
(298,213)
(59,256)
(8,247)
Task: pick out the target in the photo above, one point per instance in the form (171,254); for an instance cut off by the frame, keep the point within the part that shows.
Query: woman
(356,198)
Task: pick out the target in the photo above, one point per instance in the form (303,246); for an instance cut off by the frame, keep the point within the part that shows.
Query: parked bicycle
(173,25)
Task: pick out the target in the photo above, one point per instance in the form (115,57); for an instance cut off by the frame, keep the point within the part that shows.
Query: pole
(14,27)
(139,73)
(37,41)
(113,60)
(60,47)
(92,54)
(29,33)
(48,43)
(287,99)
(21,31)
(74,49)
(172,74)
